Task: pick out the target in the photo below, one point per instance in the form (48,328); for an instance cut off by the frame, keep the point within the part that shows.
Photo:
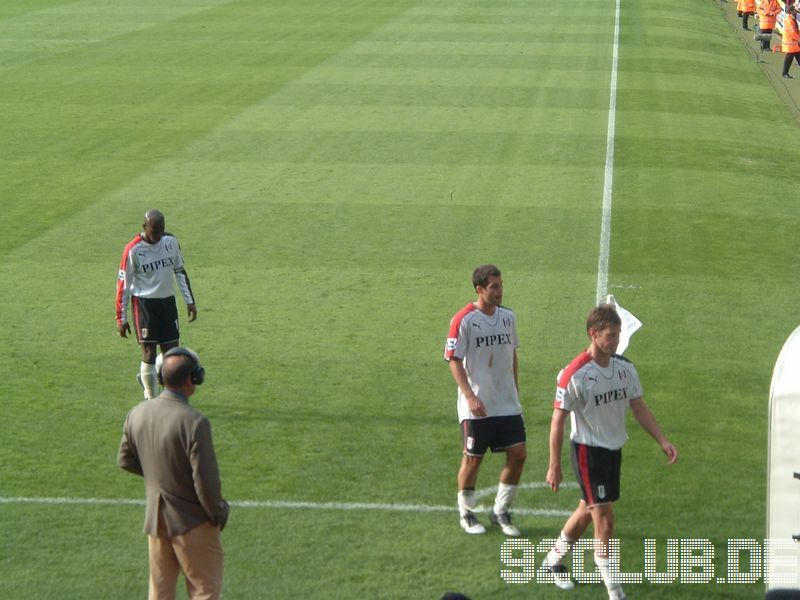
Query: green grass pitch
(334,170)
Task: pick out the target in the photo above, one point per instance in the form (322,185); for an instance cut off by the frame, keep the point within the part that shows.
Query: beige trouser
(198,553)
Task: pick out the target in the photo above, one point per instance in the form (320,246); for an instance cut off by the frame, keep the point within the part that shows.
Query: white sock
(559,550)
(466,501)
(505,495)
(611,580)
(149,380)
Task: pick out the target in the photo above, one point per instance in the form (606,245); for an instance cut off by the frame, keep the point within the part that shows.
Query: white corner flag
(630,324)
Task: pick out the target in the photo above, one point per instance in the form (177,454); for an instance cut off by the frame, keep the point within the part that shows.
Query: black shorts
(598,471)
(497,433)
(155,320)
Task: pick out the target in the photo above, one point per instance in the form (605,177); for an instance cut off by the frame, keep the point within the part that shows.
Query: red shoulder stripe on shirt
(576,365)
(455,323)
(123,263)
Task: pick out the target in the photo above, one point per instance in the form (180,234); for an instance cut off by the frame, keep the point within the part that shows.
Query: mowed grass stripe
(328,128)
(38,32)
(135,109)
(350,85)
(409,94)
(392,118)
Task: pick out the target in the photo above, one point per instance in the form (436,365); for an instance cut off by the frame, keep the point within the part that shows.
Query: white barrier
(782,568)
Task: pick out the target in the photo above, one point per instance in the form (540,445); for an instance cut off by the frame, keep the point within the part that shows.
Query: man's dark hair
(176,370)
(480,276)
(601,317)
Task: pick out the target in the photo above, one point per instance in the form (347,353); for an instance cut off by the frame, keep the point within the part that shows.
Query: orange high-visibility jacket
(768,10)
(790,43)
(746,6)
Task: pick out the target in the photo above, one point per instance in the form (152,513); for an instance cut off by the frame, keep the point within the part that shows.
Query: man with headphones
(168,443)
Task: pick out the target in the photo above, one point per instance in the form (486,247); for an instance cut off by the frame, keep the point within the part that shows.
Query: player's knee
(471,463)
(584,519)
(605,522)
(517,455)
(149,354)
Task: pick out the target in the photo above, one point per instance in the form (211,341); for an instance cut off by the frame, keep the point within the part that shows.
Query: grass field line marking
(533,485)
(608,178)
(285,504)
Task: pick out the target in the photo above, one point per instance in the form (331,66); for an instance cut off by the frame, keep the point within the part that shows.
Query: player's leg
(603,520)
(510,438)
(467,478)
(574,527)
(591,470)
(168,325)
(147,336)
(475,435)
(163,333)
(607,464)
(148,377)
(507,489)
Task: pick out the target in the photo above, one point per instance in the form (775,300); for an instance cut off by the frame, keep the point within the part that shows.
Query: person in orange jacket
(768,11)
(790,43)
(745,9)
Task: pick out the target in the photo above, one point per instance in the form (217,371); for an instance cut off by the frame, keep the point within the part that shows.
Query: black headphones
(198,372)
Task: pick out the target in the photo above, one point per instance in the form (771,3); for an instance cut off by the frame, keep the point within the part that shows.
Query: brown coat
(168,442)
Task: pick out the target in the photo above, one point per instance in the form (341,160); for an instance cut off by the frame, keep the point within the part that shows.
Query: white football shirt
(147,271)
(598,398)
(485,344)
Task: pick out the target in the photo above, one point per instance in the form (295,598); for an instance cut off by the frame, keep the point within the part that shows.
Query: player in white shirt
(482,351)
(596,390)
(151,265)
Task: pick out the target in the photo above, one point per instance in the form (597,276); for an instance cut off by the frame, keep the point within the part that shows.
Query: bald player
(150,263)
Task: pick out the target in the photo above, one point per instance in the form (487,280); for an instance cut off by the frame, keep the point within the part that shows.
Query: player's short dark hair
(480,276)
(176,370)
(602,317)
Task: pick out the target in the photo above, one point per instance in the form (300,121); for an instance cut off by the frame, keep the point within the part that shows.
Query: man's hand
(671,451)
(192,310)
(554,477)
(476,406)
(123,329)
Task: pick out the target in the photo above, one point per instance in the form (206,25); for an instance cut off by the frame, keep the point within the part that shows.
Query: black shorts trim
(495,433)
(598,472)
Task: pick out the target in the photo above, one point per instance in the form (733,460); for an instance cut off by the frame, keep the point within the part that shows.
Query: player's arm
(184,285)
(123,293)
(516,371)
(647,420)
(554,474)
(182,277)
(459,373)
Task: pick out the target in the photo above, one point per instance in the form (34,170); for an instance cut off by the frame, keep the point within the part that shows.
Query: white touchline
(533,485)
(286,504)
(608,181)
